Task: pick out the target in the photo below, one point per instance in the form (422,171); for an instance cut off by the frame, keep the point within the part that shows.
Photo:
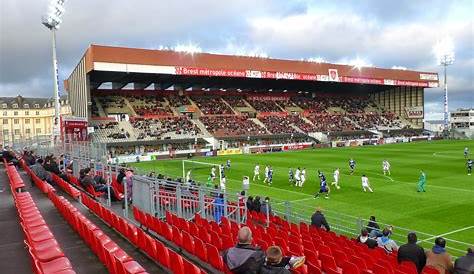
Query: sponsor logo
(424,76)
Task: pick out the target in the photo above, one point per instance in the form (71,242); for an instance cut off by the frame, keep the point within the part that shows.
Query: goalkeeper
(422,182)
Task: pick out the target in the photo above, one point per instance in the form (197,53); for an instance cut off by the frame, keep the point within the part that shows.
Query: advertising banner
(233,151)
(414,112)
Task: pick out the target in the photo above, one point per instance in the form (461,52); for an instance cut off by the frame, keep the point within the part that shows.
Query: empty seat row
(152,247)
(46,254)
(66,187)
(109,253)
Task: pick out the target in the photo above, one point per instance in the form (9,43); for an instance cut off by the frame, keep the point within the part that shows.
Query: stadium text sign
(333,76)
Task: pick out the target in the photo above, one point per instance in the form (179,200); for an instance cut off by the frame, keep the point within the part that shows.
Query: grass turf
(446,206)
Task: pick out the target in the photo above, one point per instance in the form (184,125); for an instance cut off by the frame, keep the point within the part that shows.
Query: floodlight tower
(444,51)
(52,20)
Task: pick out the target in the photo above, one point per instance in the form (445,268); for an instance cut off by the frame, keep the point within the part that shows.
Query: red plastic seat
(313,269)
(408,267)
(430,270)
(162,254)
(350,268)
(329,264)
(200,249)
(177,266)
(214,258)
(188,242)
(190,268)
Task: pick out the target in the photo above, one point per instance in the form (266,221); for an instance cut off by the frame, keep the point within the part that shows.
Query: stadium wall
(78,90)
(401,100)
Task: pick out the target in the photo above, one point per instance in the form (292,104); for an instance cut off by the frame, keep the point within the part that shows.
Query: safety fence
(157,196)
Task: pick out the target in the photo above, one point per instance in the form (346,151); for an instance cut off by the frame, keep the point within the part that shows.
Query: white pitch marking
(448,233)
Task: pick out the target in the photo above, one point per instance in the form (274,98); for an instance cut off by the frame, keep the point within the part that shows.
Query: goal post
(200,171)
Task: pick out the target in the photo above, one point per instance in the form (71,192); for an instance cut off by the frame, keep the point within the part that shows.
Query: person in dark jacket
(121,176)
(365,239)
(373,228)
(38,170)
(256,204)
(465,264)
(250,203)
(318,220)
(273,261)
(244,258)
(412,252)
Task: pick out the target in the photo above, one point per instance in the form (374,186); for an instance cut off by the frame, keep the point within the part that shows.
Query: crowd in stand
(232,125)
(277,125)
(157,127)
(235,101)
(211,105)
(264,105)
(178,100)
(315,105)
(327,122)
(149,105)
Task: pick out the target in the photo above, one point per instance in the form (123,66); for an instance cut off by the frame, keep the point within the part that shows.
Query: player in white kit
(298,176)
(386,167)
(336,178)
(267,169)
(302,177)
(213,174)
(365,184)
(256,172)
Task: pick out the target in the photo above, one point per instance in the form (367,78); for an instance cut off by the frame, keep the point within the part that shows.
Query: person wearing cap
(465,264)
(365,239)
(318,220)
(438,258)
(412,252)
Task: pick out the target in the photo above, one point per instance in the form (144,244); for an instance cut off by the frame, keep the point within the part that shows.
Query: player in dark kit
(323,187)
(469,166)
(352,165)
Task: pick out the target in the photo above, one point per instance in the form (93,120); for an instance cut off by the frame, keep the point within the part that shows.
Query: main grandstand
(148,101)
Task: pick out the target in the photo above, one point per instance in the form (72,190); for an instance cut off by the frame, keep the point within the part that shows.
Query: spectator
(318,220)
(373,228)
(256,204)
(38,170)
(129,183)
(266,208)
(386,243)
(465,264)
(364,238)
(273,262)
(121,176)
(438,258)
(250,203)
(244,258)
(87,180)
(218,204)
(412,252)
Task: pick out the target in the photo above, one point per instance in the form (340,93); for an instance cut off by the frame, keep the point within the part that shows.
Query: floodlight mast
(446,60)
(52,21)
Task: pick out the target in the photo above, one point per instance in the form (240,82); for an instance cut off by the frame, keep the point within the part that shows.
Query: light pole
(52,21)
(444,51)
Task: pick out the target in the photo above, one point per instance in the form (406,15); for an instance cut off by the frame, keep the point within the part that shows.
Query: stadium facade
(207,93)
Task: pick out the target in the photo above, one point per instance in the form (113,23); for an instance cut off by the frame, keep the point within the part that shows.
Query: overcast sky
(384,33)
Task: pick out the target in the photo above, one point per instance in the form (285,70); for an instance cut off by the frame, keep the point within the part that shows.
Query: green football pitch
(446,208)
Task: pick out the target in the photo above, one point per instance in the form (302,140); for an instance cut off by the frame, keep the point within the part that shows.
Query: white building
(435,126)
(462,121)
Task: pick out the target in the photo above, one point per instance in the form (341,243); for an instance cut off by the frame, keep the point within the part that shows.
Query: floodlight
(444,51)
(52,19)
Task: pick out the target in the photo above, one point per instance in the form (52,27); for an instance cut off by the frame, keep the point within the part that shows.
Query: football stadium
(175,161)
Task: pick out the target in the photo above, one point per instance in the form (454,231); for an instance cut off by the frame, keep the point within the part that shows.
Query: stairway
(258,122)
(99,107)
(201,126)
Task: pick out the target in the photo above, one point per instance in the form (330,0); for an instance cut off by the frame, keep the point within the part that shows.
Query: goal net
(201,172)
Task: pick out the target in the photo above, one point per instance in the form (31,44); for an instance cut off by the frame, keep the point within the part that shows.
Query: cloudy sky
(383,33)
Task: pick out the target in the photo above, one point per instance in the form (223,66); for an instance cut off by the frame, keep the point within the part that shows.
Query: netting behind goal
(200,171)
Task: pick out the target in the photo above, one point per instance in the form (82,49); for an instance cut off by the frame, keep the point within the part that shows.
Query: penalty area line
(448,233)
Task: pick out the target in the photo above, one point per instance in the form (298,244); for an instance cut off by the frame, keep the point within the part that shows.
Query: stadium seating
(46,254)
(211,105)
(231,126)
